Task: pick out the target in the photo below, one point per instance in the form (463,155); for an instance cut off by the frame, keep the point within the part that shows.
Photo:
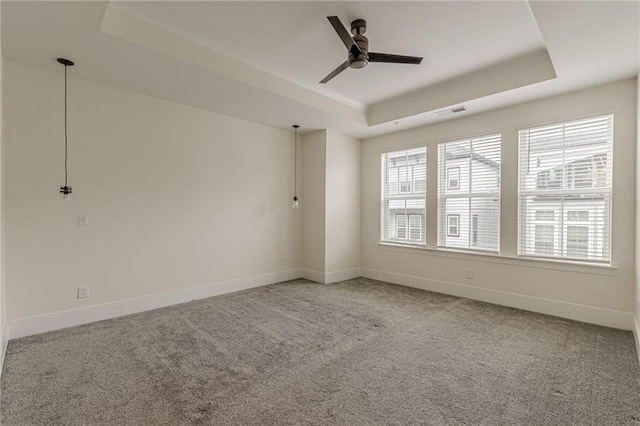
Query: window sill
(527,262)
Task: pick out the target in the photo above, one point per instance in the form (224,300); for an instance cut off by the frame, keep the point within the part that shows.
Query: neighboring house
(471,213)
(406,177)
(469,196)
(572,224)
(566,203)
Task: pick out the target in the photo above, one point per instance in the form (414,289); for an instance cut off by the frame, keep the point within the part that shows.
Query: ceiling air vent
(451,111)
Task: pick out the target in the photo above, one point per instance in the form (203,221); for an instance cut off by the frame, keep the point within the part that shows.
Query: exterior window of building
(453,226)
(409,227)
(577,241)
(404,189)
(453,178)
(545,214)
(415,227)
(565,190)
(544,240)
(578,215)
(469,189)
(401,226)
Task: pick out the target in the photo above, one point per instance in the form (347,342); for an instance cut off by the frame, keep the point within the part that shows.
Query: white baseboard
(345,274)
(55,321)
(311,275)
(3,345)
(331,277)
(589,314)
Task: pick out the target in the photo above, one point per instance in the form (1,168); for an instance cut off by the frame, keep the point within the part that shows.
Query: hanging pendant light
(66,189)
(295,168)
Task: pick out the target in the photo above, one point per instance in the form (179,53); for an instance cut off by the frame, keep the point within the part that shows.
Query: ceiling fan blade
(343,66)
(344,35)
(395,59)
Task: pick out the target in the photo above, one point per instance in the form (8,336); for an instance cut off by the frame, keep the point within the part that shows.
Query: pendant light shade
(295,168)
(66,189)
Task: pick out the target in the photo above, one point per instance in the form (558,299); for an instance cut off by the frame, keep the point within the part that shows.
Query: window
(577,241)
(544,240)
(578,215)
(469,194)
(404,189)
(545,214)
(415,227)
(565,190)
(453,178)
(401,226)
(410,229)
(453,225)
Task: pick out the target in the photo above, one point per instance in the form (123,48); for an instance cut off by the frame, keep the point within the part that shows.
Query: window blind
(404,189)
(565,174)
(469,194)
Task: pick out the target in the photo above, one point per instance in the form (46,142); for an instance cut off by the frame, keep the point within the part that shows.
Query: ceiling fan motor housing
(361,60)
(358,28)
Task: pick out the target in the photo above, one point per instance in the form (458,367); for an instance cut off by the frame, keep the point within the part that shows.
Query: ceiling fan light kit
(358,49)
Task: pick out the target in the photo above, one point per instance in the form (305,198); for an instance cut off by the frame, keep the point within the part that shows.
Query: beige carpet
(360,352)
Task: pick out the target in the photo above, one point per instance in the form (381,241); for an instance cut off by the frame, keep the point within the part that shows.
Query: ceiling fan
(358,47)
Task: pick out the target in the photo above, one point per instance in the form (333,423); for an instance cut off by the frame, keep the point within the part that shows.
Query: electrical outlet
(83,292)
(284,261)
(469,274)
(83,219)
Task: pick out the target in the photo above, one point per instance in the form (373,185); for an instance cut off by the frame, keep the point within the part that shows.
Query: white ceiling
(295,39)
(262,61)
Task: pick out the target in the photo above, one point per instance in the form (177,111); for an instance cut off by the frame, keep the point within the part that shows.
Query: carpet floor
(359,352)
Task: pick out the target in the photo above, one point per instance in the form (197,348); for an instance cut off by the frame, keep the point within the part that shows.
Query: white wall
(637,275)
(4,337)
(177,197)
(331,207)
(342,233)
(588,293)
(312,203)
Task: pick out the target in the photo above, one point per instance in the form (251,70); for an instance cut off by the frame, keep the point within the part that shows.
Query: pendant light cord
(65,126)
(295,164)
